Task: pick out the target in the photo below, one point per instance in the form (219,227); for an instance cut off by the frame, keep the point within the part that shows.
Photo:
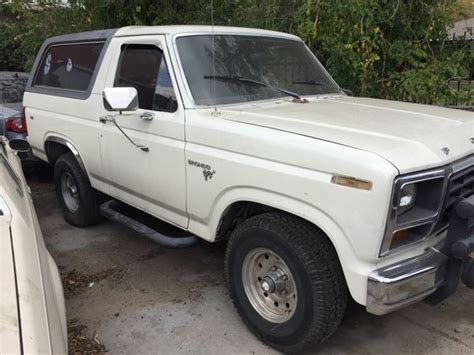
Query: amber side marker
(398,237)
(351,182)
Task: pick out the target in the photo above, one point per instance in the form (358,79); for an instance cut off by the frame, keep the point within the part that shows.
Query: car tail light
(16,124)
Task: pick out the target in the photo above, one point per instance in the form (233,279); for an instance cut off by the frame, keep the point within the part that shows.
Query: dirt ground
(128,295)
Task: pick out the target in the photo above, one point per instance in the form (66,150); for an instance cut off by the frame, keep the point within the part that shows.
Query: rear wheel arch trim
(68,145)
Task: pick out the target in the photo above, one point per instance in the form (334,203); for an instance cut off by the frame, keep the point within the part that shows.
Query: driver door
(151,179)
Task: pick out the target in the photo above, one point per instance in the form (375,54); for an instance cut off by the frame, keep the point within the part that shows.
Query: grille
(460,185)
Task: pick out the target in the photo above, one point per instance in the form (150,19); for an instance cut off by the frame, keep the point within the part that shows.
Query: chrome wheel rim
(69,192)
(269,285)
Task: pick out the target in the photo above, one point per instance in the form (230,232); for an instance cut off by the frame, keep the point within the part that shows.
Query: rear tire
(79,201)
(278,246)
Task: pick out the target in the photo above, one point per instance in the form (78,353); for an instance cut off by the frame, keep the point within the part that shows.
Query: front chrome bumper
(437,272)
(398,285)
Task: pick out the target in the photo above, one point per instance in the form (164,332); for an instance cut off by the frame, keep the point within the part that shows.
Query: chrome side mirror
(120,99)
(19,145)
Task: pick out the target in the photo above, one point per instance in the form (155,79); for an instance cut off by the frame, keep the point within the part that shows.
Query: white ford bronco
(241,136)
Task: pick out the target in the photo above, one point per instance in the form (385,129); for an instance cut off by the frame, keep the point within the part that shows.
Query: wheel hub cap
(269,285)
(69,192)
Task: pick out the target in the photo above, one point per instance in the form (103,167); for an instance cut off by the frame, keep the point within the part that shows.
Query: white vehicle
(32,311)
(241,136)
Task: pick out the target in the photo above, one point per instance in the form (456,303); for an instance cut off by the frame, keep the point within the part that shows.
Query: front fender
(355,269)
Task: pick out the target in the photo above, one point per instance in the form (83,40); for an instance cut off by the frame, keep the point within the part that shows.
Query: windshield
(250,68)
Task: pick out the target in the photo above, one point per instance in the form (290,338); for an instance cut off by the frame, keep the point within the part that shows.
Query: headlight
(416,204)
(407,198)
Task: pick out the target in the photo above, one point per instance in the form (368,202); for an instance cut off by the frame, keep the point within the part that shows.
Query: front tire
(79,201)
(285,280)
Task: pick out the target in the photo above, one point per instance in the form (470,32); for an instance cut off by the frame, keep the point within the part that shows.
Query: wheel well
(242,210)
(236,213)
(54,150)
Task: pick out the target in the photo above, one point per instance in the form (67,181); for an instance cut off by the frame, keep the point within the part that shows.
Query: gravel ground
(127,295)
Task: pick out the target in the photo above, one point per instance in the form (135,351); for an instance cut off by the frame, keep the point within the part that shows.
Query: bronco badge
(207,171)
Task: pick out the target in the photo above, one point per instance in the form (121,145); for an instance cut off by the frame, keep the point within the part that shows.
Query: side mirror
(120,99)
(20,145)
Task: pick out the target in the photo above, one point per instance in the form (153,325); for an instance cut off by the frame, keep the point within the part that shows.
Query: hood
(410,136)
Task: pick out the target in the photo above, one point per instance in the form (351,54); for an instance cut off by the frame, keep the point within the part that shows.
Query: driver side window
(143,67)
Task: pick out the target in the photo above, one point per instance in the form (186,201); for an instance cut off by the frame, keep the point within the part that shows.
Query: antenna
(213,57)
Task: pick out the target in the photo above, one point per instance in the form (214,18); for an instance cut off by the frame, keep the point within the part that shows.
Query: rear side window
(69,66)
(144,67)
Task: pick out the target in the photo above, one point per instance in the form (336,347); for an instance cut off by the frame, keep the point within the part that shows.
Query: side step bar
(109,211)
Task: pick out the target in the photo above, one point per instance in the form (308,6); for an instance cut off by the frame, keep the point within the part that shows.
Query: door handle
(106,118)
(147,116)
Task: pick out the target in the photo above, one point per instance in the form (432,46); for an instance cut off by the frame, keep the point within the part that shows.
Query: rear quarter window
(68,66)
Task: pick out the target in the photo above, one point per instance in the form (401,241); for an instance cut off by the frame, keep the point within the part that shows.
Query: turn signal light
(351,182)
(398,237)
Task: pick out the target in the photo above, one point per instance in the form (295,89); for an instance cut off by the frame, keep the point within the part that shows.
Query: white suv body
(332,161)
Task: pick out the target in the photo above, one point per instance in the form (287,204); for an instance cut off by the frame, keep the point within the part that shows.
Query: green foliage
(392,49)
(395,49)
(465,10)
(25,29)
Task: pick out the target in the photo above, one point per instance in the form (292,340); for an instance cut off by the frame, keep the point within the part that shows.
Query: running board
(109,211)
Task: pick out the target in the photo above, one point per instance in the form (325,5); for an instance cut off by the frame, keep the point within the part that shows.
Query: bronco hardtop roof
(155,30)
(196,29)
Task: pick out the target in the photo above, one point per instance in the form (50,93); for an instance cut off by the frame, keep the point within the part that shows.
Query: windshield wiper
(240,79)
(320,83)
(315,83)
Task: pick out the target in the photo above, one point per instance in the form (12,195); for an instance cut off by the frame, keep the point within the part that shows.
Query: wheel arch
(245,203)
(55,146)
